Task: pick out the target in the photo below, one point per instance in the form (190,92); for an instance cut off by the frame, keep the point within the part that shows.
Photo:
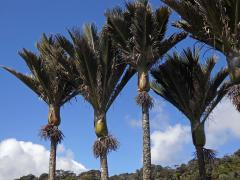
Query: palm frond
(171,42)
(49,78)
(118,24)
(118,88)
(28,80)
(161,19)
(214,22)
(188,85)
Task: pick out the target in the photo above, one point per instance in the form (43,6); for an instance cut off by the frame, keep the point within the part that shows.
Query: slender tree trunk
(201,162)
(146,144)
(52,160)
(103,158)
(104,167)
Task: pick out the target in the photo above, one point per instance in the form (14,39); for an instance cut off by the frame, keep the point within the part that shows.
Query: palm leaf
(212,22)
(29,81)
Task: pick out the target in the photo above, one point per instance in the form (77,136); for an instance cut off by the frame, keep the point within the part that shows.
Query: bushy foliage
(226,168)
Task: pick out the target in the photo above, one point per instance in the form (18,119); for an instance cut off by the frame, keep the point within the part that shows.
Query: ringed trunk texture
(146,144)
(104,167)
(201,163)
(52,160)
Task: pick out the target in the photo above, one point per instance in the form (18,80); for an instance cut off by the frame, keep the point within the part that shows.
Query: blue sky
(22,113)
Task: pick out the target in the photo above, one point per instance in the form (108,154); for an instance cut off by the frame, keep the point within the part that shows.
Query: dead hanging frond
(234,95)
(209,155)
(144,99)
(51,132)
(104,145)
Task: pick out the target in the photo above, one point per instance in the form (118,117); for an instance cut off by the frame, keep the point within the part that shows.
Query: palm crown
(216,23)
(213,22)
(97,70)
(140,33)
(189,86)
(48,78)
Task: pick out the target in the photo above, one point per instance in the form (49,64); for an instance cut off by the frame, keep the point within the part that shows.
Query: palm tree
(216,23)
(193,90)
(102,76)
(48,81)
(139,34)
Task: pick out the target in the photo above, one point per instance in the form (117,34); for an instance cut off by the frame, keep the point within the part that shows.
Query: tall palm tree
(139,34)
(48,81)
(194,90)
(102,76)
(216,23)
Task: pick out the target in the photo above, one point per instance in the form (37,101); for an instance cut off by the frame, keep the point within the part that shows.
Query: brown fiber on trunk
(52,160)
(104,167)
(201,162)
(146,144)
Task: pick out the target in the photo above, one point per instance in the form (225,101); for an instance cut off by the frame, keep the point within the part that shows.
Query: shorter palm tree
(48,81)
(99,75)
(192,89)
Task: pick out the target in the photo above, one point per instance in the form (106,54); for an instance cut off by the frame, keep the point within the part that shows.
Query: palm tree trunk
(201,163)
(52,160)
(103,157)
(104,167)
(146,143)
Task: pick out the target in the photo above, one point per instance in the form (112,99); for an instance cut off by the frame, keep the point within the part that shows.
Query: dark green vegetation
(226,168)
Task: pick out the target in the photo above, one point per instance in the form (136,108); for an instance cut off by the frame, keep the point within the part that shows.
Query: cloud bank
(223,124)
(172,143)
(18,158)
(169,144)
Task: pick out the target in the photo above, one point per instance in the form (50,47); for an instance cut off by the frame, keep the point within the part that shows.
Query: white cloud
(168,140)
(20,158)
(171,141)
(167,145)
(224,123)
